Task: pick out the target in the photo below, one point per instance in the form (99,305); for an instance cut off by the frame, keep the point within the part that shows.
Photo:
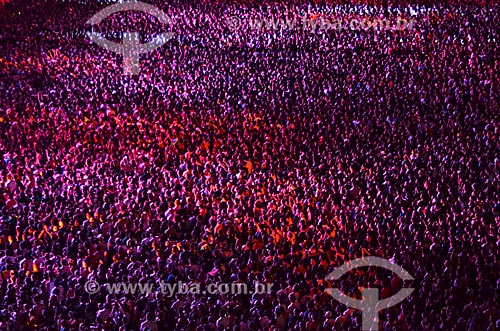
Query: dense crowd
(249,155)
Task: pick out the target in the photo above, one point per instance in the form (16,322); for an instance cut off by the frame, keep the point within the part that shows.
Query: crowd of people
(249,155)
